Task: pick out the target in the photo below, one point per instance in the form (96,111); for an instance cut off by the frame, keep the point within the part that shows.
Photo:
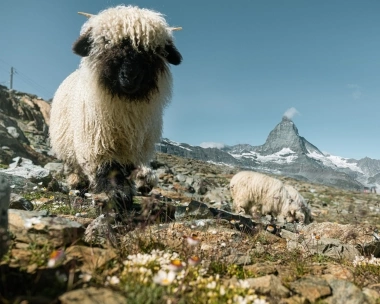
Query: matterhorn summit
(285,136)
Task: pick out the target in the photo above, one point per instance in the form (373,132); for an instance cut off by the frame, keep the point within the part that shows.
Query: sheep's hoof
(121,200)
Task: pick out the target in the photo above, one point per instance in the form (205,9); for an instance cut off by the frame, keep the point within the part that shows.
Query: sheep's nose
(130,80)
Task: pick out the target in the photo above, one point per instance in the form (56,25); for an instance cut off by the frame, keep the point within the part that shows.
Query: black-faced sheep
(256,194)
(107,115)
(298,204)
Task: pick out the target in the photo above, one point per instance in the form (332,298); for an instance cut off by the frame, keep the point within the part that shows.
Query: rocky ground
(217,256)
(180,244)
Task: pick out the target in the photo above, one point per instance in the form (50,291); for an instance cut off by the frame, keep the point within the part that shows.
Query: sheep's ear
(173,56)
(82,46)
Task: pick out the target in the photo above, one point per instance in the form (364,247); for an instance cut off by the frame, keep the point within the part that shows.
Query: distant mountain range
(287,153)
(24,123)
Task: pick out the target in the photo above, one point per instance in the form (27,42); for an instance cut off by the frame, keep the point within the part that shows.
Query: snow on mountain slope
(286,155)
(334,162)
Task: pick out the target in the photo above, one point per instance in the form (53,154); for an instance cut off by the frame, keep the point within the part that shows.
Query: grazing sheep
(107,115)
(299,205)
(145,179)
(254,193)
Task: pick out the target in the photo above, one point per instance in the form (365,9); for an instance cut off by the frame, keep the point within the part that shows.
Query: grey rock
(269,284)
(328,247)
(100,231)
(345,292)
(189,180)
(195,210)
(181,178)
(39,228)
(333,240)
(311,288)
(18,184)
(25,168)
(201,187)
(371,295)
(13,132)
(19,202)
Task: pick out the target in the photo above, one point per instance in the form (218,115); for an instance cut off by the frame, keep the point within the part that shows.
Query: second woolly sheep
(256,194)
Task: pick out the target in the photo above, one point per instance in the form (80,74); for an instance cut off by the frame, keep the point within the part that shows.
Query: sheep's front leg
(114,179)
(75,177)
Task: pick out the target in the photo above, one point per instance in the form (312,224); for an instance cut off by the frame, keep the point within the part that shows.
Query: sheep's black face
(131,73)
(128,72)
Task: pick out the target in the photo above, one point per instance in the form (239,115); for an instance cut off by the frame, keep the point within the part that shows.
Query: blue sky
(245,64)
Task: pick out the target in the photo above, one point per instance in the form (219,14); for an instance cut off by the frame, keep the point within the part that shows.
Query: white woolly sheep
(299,205)
(107,115)
(145,178)
(254,193)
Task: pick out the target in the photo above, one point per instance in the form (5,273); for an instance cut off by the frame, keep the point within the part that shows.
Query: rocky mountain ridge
(24,125)
(286,153)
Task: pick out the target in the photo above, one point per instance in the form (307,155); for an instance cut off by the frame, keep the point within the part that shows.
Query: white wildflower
(56,258)
(114,280)
(222,290)
(164,278)
(211,285)
(244,284)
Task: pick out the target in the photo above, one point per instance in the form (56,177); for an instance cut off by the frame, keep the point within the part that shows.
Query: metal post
(11,81)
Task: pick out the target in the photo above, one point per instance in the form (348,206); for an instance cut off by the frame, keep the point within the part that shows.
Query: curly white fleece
(254,193)
(145,28)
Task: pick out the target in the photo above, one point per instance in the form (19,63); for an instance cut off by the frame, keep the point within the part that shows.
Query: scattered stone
(371,295)
(92,295)
(100,231)
(294,300)
(339,272)
(13,131)
(311,288)
(269,284)
(261,269)
(18,184)
(328,247)
(345,292)
(39,228)
(24,168)
(239,259)
(333,240)
(195,210)
(20,203)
